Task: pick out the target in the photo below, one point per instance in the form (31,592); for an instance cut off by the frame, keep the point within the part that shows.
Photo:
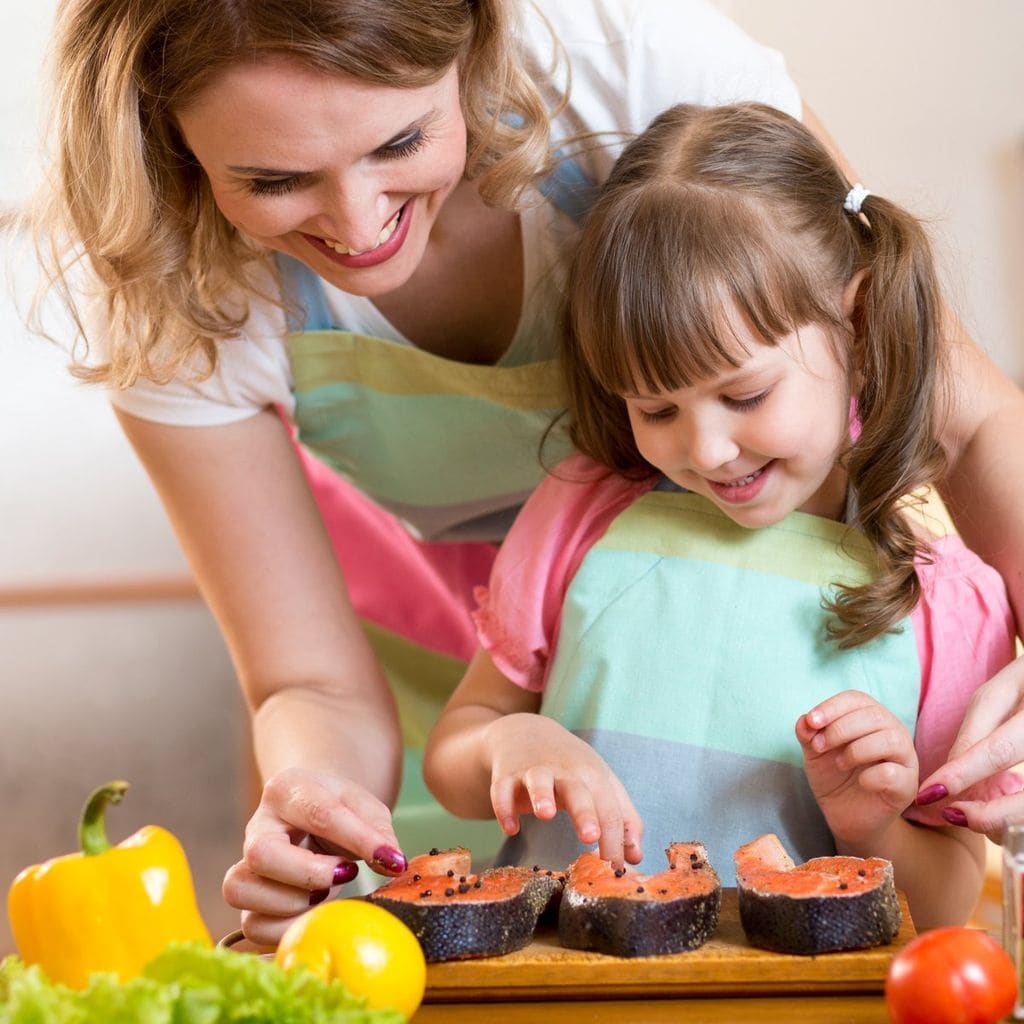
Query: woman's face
(345,175)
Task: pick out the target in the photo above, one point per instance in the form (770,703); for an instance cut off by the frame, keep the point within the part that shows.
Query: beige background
(925,98)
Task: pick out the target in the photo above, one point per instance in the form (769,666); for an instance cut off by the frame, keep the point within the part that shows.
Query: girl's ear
(850,292)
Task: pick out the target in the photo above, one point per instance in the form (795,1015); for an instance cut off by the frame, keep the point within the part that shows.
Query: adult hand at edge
(303,840)
(990,740)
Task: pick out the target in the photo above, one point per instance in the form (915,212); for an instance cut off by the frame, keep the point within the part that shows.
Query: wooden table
(724,981)
(811,1009)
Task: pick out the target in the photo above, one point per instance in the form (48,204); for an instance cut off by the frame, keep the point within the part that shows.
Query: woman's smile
(389,241)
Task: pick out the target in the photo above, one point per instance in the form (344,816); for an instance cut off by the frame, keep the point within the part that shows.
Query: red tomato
(951,976)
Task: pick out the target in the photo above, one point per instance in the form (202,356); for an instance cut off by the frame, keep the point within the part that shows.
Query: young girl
(752,361)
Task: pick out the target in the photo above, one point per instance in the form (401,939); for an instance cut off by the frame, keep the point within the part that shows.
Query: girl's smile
(346,175)
(761,439)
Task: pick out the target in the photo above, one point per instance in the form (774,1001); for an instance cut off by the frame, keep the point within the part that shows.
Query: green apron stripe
(398,448)
(322,358)
(802,547)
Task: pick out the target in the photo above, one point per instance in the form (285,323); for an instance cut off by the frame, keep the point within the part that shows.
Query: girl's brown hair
(131,202)
(724,210)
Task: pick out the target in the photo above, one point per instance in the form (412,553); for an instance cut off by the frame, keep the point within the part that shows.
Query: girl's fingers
(632,823)
(891,746)
(839,704)
(851,726)
(540,787)
(503,801)
(892,782)
(578,800)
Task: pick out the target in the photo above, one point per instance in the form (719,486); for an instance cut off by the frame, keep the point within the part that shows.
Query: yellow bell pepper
(105,908)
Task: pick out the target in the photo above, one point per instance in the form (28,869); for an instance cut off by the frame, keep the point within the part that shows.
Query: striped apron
(688,648)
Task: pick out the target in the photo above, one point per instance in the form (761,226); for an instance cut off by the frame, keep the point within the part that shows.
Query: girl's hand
(990,740)
(305,837)
(860,762)
(539,767)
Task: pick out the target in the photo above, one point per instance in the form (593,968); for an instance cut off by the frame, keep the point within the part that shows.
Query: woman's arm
(324,721)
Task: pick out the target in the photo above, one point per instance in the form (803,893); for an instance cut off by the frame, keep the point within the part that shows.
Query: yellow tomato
(371,952)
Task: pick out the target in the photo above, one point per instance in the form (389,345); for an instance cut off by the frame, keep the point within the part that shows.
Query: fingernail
(318,896)
(955,816)
(344,872)
(386,857)
(931,793)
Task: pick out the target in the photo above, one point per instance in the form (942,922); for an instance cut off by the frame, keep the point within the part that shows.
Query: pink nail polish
(318,896)
(389,858)
(344,872)
(930,794)
(955,816)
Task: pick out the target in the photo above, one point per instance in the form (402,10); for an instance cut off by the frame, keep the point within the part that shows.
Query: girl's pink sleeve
(965,634)
(519,611)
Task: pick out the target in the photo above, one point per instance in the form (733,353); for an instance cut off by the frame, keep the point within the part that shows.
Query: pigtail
(897,353)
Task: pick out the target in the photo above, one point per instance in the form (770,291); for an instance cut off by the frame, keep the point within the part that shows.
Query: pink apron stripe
(422,591)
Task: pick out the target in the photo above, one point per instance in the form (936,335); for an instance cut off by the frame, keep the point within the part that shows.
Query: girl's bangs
(679,283)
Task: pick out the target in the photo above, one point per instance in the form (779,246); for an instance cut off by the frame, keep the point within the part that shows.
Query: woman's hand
(303,840)
(860,762)
(539,767)
(991,740)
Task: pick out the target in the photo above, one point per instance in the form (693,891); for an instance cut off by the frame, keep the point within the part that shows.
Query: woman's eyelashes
(407,146)
(271,186)
(404,147)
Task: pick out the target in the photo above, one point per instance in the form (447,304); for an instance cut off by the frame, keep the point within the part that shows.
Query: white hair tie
(855,198)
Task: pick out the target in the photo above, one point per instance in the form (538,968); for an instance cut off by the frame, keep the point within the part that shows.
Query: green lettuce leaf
(185,984)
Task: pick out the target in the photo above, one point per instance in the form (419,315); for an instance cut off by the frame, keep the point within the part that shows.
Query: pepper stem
(92,831)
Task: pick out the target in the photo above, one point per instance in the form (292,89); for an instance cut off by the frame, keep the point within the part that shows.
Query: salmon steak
(624,913)
(456,914)
(824,905)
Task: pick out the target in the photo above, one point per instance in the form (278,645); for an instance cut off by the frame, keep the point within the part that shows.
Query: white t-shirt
(629,60)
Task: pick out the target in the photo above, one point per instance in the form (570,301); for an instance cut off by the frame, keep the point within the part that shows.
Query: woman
(396,162)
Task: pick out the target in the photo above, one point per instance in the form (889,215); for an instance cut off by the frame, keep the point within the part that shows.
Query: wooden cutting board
(725,965)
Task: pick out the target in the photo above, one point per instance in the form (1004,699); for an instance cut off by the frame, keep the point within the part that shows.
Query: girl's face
(345,175)
(760,440)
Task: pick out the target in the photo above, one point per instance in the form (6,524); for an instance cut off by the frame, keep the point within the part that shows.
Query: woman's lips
(371,257)
(746,488)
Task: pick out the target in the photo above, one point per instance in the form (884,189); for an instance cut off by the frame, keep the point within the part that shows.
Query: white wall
(926,99)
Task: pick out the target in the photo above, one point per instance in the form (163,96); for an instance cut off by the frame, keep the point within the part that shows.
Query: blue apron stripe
(307,308)
(568,188)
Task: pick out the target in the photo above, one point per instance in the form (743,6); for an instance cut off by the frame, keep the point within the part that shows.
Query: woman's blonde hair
(129,200)
(725,210)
